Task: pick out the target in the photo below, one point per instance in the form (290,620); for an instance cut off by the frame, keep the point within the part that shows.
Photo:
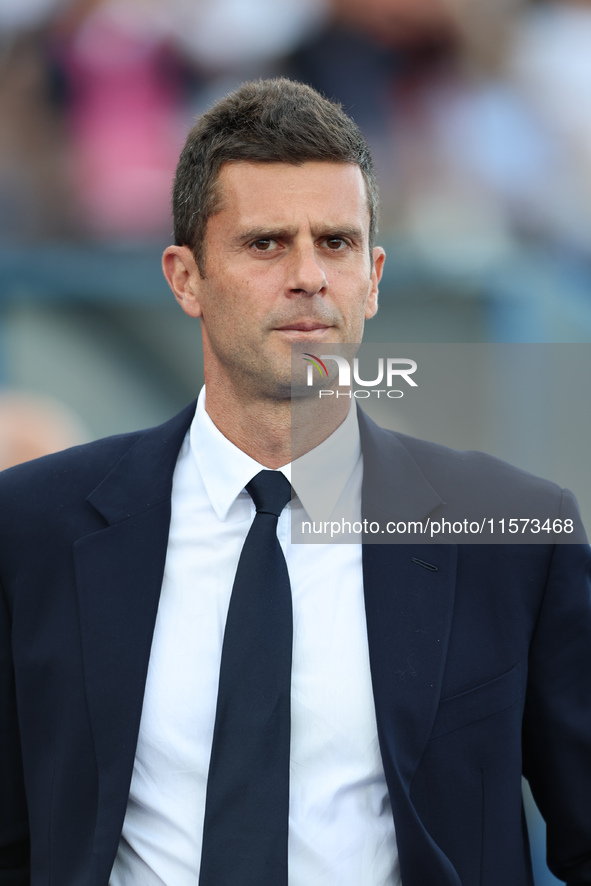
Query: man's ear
(379,256)
(182,275)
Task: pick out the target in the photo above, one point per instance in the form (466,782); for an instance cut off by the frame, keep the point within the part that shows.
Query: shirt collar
(318,477)
(225,469)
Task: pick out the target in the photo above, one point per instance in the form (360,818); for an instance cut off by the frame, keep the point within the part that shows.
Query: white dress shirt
(341,831)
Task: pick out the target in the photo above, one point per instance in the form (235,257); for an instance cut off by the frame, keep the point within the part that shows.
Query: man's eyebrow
(352,231)
(266,233)
(326,230)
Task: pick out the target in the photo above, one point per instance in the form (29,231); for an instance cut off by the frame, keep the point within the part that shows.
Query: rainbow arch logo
(317,362)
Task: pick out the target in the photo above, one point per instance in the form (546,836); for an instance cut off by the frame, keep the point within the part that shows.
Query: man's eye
(265,245)
(335,243)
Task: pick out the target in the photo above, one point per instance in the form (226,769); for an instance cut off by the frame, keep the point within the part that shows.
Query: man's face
(286,260)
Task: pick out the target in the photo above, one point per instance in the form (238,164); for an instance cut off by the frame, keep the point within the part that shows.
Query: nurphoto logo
(389,371)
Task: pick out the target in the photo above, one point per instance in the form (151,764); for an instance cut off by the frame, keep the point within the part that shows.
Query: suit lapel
(118,578)
(409,593)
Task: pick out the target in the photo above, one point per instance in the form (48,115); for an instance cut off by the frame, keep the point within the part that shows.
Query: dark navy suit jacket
(480,658)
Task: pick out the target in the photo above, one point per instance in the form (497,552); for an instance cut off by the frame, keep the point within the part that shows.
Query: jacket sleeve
(557,719)
(14,827)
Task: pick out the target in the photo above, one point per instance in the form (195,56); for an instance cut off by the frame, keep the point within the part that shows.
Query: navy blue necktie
(247,803)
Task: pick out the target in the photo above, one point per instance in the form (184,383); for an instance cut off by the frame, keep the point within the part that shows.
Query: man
(423,680)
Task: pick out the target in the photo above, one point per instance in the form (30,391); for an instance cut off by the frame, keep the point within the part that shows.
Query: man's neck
(274,432)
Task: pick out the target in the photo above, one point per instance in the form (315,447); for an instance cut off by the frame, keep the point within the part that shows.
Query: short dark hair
(276,120)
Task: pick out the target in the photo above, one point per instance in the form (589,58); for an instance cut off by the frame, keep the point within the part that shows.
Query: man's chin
(274,388)
(299,390)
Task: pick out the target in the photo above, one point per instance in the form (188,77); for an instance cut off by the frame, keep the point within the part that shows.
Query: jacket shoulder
(80,461)
(472,466)
(462,484)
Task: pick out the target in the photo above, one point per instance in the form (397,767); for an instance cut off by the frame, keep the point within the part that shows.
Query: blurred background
(479,116)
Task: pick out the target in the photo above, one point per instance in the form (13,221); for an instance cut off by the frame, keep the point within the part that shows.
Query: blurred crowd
(32,425)
(477,110)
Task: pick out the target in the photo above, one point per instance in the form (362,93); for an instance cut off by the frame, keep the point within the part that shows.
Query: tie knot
(270,492)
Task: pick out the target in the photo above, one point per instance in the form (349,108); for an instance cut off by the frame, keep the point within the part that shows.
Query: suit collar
(142,478)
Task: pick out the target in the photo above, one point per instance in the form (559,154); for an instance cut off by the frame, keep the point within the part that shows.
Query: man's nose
(306,274)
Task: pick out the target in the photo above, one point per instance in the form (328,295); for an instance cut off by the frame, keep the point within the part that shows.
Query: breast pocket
(478,703)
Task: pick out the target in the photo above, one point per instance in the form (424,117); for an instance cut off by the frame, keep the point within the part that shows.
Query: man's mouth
(303,326)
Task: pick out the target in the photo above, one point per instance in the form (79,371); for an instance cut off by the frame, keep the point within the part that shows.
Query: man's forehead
(250,187)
